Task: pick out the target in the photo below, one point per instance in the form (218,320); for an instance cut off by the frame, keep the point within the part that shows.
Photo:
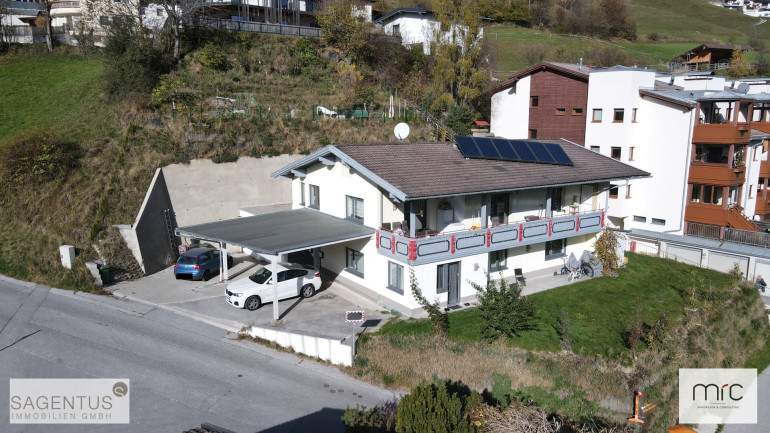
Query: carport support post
(317,258)
(225,274)
(274,273)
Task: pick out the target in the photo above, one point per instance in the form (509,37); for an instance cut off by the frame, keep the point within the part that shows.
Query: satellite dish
(743,88)
(401,131)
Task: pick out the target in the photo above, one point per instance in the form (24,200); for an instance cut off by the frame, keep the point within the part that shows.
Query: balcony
(718,216)
(762,207)
(65,5)
(445,246)
(718,133)
(716,174)
(761,126)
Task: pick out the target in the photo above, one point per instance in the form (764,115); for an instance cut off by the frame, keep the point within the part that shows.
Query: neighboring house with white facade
(456,219)
(415,26)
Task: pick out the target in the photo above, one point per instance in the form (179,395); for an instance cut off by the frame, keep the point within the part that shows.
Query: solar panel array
(512,150)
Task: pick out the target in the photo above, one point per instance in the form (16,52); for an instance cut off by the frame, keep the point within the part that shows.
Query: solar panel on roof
(559,155)
(468,147)
(505,149)
(525,154)
(539,150)
(512,150)
(487,147)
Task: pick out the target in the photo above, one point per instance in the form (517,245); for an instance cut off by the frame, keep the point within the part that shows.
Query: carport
(275,235)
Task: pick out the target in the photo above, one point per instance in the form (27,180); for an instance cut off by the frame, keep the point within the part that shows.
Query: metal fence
(759,239)
(27,34)
(703,230)
(257,27)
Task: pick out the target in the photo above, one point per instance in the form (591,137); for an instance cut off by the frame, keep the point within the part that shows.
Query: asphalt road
(182,372)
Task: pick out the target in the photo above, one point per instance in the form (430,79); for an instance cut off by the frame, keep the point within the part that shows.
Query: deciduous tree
(343,26)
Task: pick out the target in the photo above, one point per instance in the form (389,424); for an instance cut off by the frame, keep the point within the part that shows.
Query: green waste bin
(104,272)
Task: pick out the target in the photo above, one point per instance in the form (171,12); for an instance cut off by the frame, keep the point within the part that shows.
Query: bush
(504,312)
(606,251)
(377,419)
(459,119)
(438,407)
(213,57)
(39,158)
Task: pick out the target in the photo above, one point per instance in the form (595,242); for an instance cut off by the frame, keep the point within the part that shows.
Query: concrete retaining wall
(203,191)
(335,351)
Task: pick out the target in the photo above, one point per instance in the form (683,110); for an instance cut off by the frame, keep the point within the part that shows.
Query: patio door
(499,209)
(448,280)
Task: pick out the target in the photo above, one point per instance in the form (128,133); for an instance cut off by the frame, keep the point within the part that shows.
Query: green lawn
(599,309)
(55,93)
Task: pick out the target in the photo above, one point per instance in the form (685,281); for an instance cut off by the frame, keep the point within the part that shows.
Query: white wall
(419,29)
(690,82)
(749,194)
(510,111)
(661,141)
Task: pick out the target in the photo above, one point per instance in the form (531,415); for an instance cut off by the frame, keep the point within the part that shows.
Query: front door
(449,281)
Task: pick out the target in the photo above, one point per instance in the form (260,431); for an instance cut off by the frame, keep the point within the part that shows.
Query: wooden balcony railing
(721,133)
(445,246)
(716,174)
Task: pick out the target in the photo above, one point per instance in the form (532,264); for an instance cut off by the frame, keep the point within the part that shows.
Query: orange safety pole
(637,417)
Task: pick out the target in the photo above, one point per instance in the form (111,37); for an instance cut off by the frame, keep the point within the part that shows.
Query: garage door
(688,255)
(726,262)
(761,267)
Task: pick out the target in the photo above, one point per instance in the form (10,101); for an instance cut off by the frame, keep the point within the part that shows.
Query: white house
(458,217)
(415,26)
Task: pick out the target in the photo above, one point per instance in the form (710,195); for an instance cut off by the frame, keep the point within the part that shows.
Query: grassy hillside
(665,28)
(121,141)
(45,92)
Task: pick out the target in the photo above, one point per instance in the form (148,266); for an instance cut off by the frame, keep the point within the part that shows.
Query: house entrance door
(449,281)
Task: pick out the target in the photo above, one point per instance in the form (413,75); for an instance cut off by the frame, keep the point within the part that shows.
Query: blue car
(199,264)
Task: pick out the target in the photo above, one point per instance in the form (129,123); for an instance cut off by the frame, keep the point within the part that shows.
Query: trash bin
(105,272)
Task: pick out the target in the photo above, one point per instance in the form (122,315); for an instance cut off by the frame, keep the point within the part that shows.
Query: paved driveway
(321,315)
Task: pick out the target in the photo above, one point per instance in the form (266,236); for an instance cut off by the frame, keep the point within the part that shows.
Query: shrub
(438,407)
(606,251)
(459,119)
(213,57)
(377,419)
(504,312)
(438,318)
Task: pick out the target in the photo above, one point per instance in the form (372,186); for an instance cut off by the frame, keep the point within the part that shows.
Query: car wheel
(206,275)
(307,291)
(252,303)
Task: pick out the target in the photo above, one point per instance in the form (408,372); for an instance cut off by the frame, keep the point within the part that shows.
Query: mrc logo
(733,392)
(717,396)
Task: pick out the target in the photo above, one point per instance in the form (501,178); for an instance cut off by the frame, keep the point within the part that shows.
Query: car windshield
(188,260)
(260,276)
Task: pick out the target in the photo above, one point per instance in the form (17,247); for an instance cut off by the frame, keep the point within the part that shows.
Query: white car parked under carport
(293,280)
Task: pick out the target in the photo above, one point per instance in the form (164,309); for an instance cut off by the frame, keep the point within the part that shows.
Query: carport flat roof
(279,232)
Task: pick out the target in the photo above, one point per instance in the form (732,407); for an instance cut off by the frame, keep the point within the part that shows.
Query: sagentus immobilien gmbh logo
(718,395)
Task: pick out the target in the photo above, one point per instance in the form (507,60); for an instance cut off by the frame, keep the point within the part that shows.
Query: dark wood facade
(561,105)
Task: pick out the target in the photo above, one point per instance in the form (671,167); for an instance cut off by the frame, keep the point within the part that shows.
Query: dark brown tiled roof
(439,169)
(575,71)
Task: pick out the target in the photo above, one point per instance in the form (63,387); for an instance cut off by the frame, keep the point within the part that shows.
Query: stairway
(737,220)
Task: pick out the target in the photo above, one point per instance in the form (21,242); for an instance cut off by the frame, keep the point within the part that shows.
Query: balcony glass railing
(444,246)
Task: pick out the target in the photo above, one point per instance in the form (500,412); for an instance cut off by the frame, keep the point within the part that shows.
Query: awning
(279,232)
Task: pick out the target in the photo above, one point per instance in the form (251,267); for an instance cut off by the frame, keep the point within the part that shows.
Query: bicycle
(584,270)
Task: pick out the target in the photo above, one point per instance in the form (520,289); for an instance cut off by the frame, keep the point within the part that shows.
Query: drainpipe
(693,116)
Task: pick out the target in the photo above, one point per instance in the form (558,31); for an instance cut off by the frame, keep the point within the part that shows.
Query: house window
(498,260)
(354,208)
(631,153)
(577,111)
(354,262)
(597,115)
(302,193)
(159,12)
(640,219)
(533,133)
(711,194)
(534,101)
(615,153)
(595,149)
(757,153)
(614,192)
(619,114)
(554,249)
(561,111)
(315,197)
(751,191)
(396,278)
(696,191)
(658,221)
(633,115)
(628,191)
(396,30)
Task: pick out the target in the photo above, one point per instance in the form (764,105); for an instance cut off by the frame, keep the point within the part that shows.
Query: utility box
(67,254)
